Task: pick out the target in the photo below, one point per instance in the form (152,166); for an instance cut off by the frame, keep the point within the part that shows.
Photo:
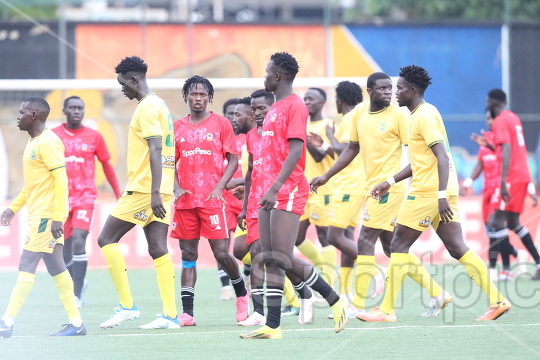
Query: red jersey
(240,140)
(200,153)
(254,147)
(286,119)
(507,129)
(490,164)
(81,147)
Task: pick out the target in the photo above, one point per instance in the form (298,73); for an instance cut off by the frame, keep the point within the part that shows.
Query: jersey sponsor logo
(84,147)
(382,126)
(489,157)
(75,159)
(196,151)
(167,161)
(366,216)
(267,133)
(33,154)
(425,222)
(52,244)
(141,215)
(273,117)
(393,223)
(314,216)
(209,137)
(257,162)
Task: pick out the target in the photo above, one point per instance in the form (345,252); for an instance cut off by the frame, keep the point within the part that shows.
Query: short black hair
(416,75)
(350,93)
(194,80)
(131,64)
(228,103)
(74,97)
(372,79)
(245,101)
(268,96)
(286,63)
(497,95)
(320,91)
(38,103)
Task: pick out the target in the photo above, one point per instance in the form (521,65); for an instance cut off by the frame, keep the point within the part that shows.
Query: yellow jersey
(150,120)
(352,179)
(427,129)
(313,168)
(42,155)
(244,160)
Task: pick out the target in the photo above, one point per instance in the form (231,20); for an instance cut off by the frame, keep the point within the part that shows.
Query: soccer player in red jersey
(204,140)
(285,190)
(82,145)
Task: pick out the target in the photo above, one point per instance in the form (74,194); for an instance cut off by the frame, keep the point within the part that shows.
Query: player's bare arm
(318,141)
(477,170)
(348,155)
(110,174)
(230,169)
(443,169)
(156,202)
(268,201)
(234,183)
(336,145)
(506,153)
(378,191)
(317,154)
(481,140)
(247,189)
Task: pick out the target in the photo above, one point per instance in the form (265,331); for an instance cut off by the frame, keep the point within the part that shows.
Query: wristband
(391,180)
(325,146)
(467,182)
(531,189)
(441,194)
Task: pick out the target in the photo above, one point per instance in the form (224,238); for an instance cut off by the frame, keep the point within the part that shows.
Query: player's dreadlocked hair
(194,80)
(71,98)
(417,76)
(268,96)
(497,95)
(245,101)
(350,93)
(372,79)
(131,64)
(320,91)
(286,63)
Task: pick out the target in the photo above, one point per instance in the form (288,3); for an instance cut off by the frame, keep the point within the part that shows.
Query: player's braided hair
(286,63)
(131,64)
(268,96)
(320,91)
(74,97)
(350,93)
(193,81)
(497,95)
(245,101)
(228,103)
(416,75)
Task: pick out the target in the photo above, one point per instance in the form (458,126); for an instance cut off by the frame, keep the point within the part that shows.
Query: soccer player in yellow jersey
(146,200)
(378,133)
(432,200)
(45,192)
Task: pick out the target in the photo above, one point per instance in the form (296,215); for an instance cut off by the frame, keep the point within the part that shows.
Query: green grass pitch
(453,334)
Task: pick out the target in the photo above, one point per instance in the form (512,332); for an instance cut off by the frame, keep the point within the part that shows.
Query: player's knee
(239,253)
(222,256)
(103,241)
(189,254)
(157,251)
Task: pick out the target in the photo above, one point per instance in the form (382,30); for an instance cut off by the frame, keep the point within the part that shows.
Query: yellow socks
(365,269)
(64,285)
(25,282)
(345,280)
(117,268)
(247,259)
(418,273)
(311,252)
(329,256)
(290,294)
(397,270)
(165,279)
(477,270)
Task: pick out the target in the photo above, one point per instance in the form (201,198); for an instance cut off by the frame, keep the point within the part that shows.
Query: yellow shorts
(382,214)
(40,238)
(345,210)
(317,209)
(239,232)
(134,207)
(420,212)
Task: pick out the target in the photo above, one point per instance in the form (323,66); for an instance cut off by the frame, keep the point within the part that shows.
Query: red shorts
(295,201)
(80,217)
(233,208)
(252,230)
(487,207)
(191,224)
(518,193)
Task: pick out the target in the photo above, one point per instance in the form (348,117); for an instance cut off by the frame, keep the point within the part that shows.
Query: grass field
(454,334)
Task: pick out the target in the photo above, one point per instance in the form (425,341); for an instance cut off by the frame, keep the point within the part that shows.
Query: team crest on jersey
(52,244)
(382,126)
(425,222)
(209,137)
(141,215)
(84,147)
(273,117)
(393,223)
(173,225)
(33,154)
(366,216)
(167,161)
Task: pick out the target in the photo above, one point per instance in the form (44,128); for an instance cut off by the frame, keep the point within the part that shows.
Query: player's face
(242,116)
(270,81)
(74,112)
(229,112)
(403,92)
(26,117)
(314,101)
(489,120)
(129,85)
(197,98)
(260,108)
(381,93)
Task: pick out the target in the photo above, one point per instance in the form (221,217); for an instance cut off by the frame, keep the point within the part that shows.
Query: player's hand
(239,192)
(217,193)
(156,202)
(5,218)
(316,182)
(233,183)
(479,139)
(330,130)
(463,190)
(179,192)
(316,139)
(57,229)
(268,201)
(444,210)
(505,194)
(380,190)
(242,220)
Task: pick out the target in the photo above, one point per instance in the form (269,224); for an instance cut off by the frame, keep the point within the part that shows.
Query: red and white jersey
(287,119)
(231,200)
(490,164)
(200,153)
(507,129)
(254,147)
(81,147)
